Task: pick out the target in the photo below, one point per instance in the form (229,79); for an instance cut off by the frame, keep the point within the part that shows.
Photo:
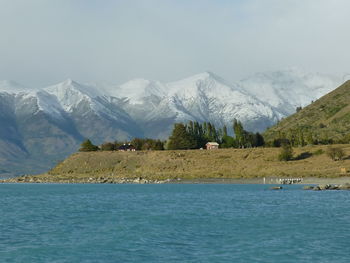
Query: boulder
(276,188)
(324,186)
(333,187)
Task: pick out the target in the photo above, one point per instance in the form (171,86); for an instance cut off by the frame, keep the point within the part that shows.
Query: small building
(127,147)
(212,146)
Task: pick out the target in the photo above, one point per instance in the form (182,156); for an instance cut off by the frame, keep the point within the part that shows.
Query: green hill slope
(325,120)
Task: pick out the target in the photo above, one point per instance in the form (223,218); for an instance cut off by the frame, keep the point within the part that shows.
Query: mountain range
(39,126)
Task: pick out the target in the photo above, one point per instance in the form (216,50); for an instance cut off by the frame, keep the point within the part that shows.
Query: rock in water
(276,188)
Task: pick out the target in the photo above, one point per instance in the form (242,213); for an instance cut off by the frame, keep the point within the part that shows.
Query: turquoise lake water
(172,223)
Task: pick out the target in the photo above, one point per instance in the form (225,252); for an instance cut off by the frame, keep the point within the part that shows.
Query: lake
(172,223)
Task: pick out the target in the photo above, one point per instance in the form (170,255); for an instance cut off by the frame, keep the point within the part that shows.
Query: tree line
(192,135)
(302,136)
(138,143)
(195,135)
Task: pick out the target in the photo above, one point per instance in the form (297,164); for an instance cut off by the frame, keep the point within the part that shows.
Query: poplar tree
(180,139)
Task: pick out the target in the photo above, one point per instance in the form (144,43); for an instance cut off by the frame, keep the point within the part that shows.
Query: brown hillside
(196,164)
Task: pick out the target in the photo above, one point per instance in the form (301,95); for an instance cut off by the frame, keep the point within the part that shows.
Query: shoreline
(257,180)
(268,181)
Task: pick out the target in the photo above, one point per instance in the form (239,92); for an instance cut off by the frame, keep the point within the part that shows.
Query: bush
(87,146)
(108,146)
(335,153)
(286,153)
(280,142)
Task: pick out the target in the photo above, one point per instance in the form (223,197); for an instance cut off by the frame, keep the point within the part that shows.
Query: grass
(196,164)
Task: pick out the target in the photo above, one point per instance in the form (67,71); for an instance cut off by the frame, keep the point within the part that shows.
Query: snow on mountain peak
(201,83)
(288,89)
(13,87)
(137,90)
(72,96)
(204,76)
(258,101)
(70,93)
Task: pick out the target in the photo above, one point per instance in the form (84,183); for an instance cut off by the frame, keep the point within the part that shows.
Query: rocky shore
(315,184)
(90,180)
(323,187)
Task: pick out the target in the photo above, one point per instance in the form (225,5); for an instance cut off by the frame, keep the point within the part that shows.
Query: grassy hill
(193,164)
(325,119)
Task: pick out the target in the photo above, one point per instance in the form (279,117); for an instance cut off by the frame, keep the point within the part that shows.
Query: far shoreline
(243,181)
(260,180)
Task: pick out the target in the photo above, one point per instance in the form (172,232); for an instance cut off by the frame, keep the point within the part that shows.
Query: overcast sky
(46,41)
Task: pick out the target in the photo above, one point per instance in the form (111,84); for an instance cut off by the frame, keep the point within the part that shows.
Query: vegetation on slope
(325,121)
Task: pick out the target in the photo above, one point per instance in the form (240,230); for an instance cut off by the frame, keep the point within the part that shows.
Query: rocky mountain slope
(38,127)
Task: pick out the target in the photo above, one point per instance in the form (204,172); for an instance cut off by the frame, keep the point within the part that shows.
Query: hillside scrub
(335,153)
(326,121)
(286,153)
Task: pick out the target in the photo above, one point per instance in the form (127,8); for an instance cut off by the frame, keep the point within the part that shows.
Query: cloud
(43,42)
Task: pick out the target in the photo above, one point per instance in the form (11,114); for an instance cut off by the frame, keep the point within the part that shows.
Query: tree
(196,131)
(147,144)
(286,153)
(224,130)
(227,142)
(310,139)
(158,145)
(259,140)
(108,146)
(180,139)
(244,138)
(87,146)
(239,133)
(137,143)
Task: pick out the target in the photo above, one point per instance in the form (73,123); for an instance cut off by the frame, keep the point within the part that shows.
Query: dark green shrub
(335,153)
(280,142)
(286,153)
(108,146)
(87,146)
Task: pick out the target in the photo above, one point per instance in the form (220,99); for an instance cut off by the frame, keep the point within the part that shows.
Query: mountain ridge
(49,123)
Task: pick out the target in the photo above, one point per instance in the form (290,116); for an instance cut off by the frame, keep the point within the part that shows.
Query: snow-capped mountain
(40,126)
(12,87)
(258,101)
(203,97)
(286,90)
